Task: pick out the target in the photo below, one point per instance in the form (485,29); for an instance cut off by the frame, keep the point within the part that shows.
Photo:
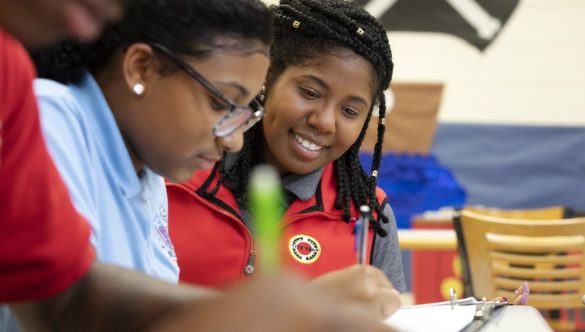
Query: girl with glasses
(163,93)
(330,64)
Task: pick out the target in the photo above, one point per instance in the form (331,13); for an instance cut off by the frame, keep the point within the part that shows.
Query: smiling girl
(330,63)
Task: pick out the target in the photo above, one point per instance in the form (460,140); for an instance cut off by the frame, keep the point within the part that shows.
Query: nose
(232,142)
(323,119)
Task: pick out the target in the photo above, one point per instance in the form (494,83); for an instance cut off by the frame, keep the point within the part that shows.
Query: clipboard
(458,302)
(483,313)
(467,315)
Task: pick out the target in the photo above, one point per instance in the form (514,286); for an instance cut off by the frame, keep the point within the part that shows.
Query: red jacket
(215,248)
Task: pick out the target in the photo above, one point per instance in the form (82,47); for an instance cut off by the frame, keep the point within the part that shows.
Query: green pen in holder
(266,205)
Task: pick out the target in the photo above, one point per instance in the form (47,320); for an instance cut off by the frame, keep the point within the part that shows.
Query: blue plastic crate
(415,184)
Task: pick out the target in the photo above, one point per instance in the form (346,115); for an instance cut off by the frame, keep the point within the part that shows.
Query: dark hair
(189,27)
(303,30)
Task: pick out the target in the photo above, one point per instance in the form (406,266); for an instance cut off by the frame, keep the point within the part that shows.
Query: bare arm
(109,298)
(115,299)
(277,303)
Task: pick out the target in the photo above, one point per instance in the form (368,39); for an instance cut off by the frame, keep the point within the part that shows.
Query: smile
(308,145)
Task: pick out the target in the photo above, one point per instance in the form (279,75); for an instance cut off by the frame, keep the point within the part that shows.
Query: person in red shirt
(48,273)
(39,262)
(27,175)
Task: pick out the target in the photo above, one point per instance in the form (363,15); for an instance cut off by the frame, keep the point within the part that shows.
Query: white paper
(436,318)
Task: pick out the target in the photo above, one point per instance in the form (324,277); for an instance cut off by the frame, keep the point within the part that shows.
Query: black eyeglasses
(238,116)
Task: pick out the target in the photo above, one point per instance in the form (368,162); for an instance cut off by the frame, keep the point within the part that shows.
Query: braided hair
(304,30)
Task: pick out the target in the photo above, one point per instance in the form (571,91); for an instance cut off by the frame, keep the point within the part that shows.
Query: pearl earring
(138,89)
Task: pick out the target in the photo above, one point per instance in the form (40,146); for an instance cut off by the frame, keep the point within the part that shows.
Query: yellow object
(454,283)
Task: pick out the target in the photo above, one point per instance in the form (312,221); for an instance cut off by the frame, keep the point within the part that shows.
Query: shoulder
(66,130)
(45,87)
(53,92)
(58,107)
(381,194)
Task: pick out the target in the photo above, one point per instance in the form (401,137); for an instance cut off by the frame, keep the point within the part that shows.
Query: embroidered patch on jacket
(304,248)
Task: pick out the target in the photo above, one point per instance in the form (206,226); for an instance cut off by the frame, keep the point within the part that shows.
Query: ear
(138,66)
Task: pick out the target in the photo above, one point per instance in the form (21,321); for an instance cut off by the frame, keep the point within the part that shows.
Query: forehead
(228,52)
(232,44)
(228,65)
(230,59)
(339,64)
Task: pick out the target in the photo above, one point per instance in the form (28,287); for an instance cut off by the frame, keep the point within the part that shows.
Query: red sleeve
(44,243)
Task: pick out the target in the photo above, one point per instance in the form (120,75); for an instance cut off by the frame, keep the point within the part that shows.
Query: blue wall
(515,166)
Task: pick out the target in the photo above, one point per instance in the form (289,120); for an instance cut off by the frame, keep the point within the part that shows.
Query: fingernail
(525,289)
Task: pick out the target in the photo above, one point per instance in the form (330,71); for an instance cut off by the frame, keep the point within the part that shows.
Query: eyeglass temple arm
(194,73)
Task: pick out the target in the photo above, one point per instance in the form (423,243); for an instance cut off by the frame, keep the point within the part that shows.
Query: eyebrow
(243,92)
(323,84)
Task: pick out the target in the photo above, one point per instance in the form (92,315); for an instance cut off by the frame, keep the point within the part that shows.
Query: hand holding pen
(363,286)
(366,286)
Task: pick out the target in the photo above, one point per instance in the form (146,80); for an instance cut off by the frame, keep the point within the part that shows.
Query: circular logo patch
(305,249)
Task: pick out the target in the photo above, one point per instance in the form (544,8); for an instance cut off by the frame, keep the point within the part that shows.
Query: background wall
(512,117)
(533,73)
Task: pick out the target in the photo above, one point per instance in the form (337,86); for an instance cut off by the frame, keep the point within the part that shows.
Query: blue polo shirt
(127,211)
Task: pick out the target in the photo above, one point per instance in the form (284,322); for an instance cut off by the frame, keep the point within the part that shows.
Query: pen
(266,207)
(361,234)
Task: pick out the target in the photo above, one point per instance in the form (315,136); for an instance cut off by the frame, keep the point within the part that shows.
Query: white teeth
(306,144)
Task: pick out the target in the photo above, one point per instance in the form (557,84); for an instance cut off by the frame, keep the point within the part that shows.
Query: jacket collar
(315,197)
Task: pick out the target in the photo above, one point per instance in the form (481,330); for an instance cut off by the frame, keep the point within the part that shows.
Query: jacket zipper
(291,219)
(250,266)
(250,263)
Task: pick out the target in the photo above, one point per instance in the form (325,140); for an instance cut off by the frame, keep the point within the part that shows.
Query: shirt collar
(108,138)
(303,186)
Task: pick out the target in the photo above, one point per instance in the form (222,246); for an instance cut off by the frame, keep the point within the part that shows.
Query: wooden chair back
(503,252)
(547,213)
